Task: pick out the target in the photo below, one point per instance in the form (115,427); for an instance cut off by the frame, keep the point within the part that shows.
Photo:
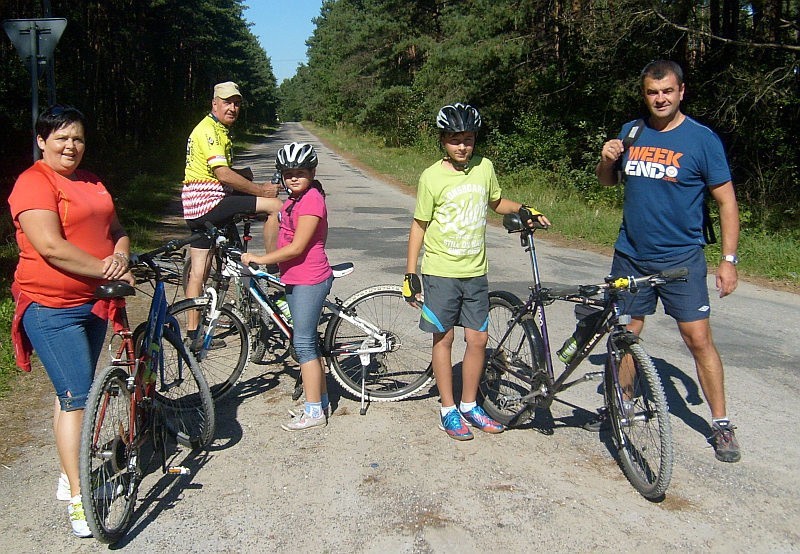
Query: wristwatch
(732,258)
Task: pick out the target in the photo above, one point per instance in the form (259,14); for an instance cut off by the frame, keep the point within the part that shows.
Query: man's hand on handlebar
(532,217)
(269,190)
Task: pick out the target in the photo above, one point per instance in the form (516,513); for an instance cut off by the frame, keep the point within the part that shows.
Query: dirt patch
(22,409)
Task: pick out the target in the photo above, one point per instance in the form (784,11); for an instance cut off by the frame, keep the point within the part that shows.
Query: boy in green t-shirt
(450,221)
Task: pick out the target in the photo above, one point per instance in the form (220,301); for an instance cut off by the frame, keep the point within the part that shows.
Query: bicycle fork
(213,317)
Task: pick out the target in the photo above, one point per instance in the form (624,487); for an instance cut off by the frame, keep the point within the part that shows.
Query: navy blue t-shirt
(666,175)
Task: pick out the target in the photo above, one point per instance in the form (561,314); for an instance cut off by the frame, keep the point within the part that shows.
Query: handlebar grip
(676,273)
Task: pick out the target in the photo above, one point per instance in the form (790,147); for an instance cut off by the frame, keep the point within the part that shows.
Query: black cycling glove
(411,287)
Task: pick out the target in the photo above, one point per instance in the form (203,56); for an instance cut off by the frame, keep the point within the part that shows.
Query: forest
(142,71)
(553,79)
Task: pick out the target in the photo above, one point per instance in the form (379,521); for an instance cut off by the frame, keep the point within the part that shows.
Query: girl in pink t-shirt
(305,270)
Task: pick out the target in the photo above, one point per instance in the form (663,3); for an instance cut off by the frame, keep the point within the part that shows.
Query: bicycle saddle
(340,270)
(114,289)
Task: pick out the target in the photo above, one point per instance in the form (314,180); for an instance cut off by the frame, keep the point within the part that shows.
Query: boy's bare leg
(443,366)
(472,366)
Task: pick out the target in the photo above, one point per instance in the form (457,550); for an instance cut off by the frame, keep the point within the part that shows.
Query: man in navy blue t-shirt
(667,170)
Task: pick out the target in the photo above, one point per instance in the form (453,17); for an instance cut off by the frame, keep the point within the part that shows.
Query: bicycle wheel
(640,420)
(181,391)
(224,361)
(109,470)
(392,374)
(515,366)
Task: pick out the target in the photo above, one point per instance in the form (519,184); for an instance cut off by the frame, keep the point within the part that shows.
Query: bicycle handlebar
(171,246)
(628,283)
(513,224)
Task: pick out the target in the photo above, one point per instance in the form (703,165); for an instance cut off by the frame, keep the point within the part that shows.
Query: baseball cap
(226,90)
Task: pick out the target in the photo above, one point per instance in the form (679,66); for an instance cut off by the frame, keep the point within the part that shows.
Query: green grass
(591,219)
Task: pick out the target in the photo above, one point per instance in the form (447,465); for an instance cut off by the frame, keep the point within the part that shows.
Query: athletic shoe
(477,417)
(77,518)
(305,421)
(726,447)
(454,425)
(196,345)
(63,492)
(598,422)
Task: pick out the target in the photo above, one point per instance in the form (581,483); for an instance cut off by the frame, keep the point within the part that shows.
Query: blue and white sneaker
(477,417)
(454,425)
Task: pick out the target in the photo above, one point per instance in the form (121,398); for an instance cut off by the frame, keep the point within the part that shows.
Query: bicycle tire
(181,391)
(394,375)
(510,367)
(643,441)
(106,457)
(223,364)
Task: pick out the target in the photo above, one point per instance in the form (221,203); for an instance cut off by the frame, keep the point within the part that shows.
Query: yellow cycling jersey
(209,146)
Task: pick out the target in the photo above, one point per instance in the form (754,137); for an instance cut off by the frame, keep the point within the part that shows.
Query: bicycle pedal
(592,375)
(178,470)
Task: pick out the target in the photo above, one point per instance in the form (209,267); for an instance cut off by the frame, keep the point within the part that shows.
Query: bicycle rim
(398,372)
(181,392)
(642,429)
(108,464)
(511,365)
(224,361)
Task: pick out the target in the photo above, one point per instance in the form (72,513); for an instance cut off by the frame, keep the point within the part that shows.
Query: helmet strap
(457,165)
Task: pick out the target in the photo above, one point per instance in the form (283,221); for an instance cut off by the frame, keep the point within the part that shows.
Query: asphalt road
(390,481)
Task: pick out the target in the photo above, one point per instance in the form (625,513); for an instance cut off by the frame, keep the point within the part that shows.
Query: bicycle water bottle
(568,350)
(284,307)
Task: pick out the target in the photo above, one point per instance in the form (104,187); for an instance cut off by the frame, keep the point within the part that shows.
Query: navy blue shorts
(451,302)
(683,300)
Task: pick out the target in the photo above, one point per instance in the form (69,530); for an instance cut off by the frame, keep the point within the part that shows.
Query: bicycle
(152,387)
(371,341)
(520,376)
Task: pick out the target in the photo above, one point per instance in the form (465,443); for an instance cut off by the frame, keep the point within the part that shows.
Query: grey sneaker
(305,421)
(726,447)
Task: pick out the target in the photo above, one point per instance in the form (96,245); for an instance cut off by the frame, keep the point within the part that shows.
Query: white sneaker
(77,517)
(305,422)
(63,492)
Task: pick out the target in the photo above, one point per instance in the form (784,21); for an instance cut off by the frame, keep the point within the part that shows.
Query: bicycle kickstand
(364,363)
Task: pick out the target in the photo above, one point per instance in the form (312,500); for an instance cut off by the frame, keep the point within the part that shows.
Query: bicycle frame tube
(535,305)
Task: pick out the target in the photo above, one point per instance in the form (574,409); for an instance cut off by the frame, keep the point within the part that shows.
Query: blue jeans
(69,342)
(305,304)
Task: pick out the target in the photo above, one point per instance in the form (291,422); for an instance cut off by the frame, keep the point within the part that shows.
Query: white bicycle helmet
(458,118)
(296,155)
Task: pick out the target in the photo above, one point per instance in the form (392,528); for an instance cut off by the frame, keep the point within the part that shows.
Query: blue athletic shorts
(685,301)
(451,302)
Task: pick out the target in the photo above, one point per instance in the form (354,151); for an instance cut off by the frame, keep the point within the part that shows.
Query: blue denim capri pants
(305,304)
(68,342)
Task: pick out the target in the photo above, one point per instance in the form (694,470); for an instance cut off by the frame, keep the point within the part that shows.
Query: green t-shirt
(454,203)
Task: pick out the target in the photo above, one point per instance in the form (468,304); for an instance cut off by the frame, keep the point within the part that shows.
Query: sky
(282,27)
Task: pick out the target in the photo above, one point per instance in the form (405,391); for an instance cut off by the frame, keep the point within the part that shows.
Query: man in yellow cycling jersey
(213,191)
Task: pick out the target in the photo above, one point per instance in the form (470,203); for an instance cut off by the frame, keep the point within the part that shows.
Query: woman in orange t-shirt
(70,241)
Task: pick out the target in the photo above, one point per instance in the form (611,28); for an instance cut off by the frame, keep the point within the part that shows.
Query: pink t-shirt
(312,266)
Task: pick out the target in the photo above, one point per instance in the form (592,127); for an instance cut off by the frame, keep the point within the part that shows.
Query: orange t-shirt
(86,212)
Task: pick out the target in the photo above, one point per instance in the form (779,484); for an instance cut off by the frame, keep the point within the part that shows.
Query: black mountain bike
(520,376)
